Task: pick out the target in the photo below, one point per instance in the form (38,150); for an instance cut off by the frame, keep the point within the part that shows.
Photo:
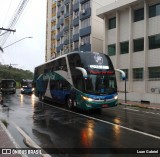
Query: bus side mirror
(84,72)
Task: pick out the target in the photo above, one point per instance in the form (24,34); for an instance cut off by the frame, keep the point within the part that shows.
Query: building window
(85,39)
(58,42)
(54,10)
(124,47)
(154,41)
(126,73)
(154,73)
(76,29)
(112,23)
(85,23)
(67,8)
(71,33)
(139,15)
(154,10)
(66,48)
(76,1)
(112,50)
(66,35)
(85,5)
(66,22)
(138,45)
(76,45)
(137,74)
(76,14)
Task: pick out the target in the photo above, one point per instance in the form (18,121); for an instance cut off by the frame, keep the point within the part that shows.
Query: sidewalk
(7,141)
(140,104)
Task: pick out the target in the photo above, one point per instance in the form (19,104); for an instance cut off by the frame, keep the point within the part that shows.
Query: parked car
(8,86)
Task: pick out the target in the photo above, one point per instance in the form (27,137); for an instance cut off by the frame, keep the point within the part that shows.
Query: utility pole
(5,29)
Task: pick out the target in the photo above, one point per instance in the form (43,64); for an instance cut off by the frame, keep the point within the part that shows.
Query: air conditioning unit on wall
(83,11)
(82,43)
(155,90)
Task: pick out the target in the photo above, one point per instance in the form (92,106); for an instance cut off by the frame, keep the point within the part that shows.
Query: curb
(140,106)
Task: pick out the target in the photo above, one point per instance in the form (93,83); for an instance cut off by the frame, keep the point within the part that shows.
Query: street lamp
(2,49)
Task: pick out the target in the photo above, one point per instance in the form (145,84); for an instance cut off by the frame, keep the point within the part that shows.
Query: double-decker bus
(84,80)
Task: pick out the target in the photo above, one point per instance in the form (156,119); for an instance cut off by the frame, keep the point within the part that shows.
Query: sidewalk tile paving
(7,141)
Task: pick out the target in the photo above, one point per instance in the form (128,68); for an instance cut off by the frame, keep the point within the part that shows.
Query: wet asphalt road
(52,126)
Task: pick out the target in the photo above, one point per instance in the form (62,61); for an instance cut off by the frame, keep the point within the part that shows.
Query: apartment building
(132,40)
(73,25)
(51,29)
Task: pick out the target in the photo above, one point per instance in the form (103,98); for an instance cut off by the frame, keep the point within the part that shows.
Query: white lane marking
(30,142)
(131,109)
(142,111)
(123,127)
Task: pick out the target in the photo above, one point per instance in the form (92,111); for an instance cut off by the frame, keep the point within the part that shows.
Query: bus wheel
(69,103)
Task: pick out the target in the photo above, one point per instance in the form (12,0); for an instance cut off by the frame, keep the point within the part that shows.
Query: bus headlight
(116,97)
(87,99)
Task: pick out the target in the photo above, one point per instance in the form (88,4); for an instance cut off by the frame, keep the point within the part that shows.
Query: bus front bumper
(91,105)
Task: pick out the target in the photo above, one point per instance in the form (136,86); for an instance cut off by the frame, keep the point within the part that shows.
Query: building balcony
(76,7)
(58,13)
(76,49)
(83,1)
(66,28)
(75,37)
(58,3)
(66,2)
(62,8)
(85,13)
(85,47)
(66,42)
(59,35)
(61,21)
(85,31)
(58,48)
(58,25)
(61,46)
(66,14)
(76,21)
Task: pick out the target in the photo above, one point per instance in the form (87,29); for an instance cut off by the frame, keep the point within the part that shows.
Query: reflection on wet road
(52,127)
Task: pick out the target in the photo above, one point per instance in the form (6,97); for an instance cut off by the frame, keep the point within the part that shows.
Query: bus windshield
(26,84)
(100,84)
(8,84)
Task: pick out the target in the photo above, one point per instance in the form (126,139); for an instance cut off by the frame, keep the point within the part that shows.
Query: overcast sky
(27,53)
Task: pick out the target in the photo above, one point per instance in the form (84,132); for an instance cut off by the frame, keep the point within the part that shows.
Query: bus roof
(78,52)
(8,80)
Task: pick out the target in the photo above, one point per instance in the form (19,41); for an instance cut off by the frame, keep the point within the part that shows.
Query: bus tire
(69,103)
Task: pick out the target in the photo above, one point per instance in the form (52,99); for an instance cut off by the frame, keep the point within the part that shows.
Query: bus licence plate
(104,105)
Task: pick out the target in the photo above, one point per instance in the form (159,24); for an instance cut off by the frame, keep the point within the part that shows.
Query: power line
(15,18)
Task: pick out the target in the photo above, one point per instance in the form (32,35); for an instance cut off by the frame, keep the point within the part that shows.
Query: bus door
(62,90)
